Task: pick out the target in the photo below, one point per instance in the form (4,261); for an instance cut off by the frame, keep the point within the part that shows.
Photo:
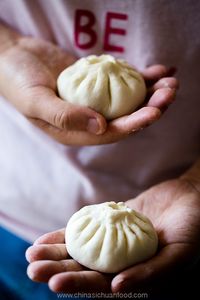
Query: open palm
(174,209)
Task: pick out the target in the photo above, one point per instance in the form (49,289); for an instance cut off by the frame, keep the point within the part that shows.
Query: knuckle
(59,253)
(63,265)
(62,119)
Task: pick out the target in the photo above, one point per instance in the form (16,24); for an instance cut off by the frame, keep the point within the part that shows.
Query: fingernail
(93,126)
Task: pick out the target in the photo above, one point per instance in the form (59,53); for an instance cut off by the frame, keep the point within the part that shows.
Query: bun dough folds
(110,237)
(109,86)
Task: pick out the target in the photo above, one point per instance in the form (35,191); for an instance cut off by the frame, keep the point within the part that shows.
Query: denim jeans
(14,283)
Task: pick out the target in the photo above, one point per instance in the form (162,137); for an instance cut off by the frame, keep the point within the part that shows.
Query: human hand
(29,70)
(50,263)
(174,209)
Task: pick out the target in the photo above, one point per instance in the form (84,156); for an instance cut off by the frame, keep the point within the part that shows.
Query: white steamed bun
(109,86)
(109,237)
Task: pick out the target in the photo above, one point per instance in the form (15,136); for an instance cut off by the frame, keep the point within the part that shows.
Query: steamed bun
(110,237)
(109,86)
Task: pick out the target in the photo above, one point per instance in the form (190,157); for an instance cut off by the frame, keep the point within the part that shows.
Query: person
(91,160)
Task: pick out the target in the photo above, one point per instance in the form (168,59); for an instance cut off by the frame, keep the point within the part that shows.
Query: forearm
(8,38)
(193,175)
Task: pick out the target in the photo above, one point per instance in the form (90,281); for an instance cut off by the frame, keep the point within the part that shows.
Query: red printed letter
(110,30)
(86,28)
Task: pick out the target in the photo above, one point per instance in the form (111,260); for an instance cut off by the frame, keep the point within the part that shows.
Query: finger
(136,121)
(166,82)
(162,98)
(116,130)
(42,271)
(83,281)
(47,252)
(152,271)
(45,105)
(72,137)
(155,72)
(54,237)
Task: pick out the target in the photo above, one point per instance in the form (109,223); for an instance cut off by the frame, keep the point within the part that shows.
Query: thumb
(64,115)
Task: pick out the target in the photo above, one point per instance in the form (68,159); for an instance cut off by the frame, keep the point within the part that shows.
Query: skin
(33,65)
(174,209)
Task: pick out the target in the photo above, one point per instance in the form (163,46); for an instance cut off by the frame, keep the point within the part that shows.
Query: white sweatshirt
(42,182)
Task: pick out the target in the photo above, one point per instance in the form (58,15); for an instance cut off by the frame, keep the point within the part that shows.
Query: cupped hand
(50,263)
(29,71)
(174,209)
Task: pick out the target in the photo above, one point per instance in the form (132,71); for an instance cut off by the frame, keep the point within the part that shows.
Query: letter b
(86,28)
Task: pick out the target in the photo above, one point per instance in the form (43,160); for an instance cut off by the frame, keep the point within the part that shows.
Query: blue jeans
(14,283)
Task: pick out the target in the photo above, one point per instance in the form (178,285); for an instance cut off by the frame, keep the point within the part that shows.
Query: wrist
(192,175)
